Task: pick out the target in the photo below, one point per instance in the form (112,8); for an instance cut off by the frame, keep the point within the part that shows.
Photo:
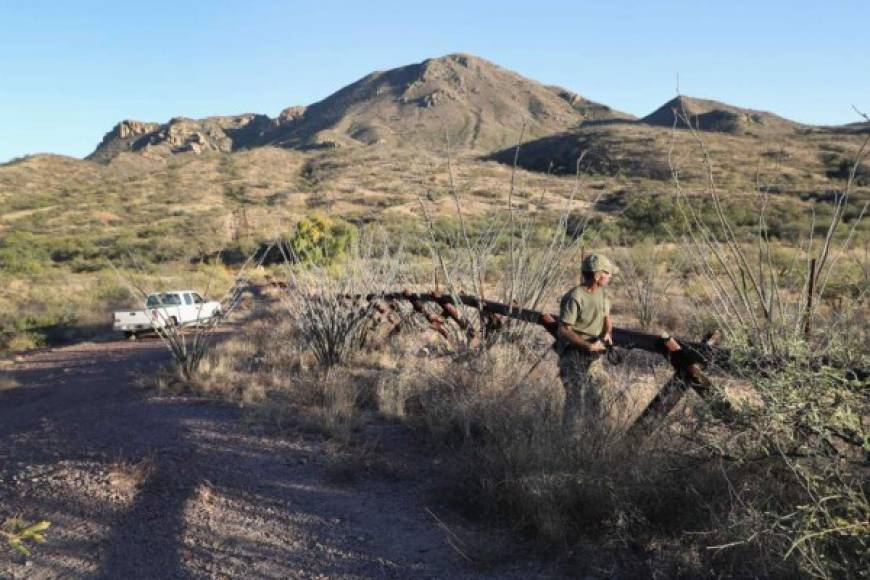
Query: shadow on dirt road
(141,485)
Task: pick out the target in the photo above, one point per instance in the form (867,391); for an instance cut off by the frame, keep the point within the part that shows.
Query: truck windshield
(164,299)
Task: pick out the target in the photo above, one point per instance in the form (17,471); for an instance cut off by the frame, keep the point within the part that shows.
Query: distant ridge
(851,128)
(482,107)
(708,115)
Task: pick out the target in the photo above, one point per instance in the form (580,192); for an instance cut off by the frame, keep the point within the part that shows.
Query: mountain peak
(481,106)
(462,58)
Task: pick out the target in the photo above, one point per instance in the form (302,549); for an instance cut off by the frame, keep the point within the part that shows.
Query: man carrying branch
(584,334)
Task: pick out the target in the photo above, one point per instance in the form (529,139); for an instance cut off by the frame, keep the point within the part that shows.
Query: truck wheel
(130,335)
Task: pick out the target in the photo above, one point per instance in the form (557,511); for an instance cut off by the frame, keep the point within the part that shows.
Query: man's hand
(607,338)
(597,347)
(590,345)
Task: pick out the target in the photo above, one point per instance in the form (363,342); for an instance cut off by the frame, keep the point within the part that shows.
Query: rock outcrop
(128,128)
(182,135)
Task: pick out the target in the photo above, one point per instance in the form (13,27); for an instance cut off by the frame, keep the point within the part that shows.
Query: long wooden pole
(698,352)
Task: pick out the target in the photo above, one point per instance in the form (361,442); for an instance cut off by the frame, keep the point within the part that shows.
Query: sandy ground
(142,485)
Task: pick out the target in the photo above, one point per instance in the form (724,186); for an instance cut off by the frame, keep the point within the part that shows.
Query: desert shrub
(839,167)
(235,253)
(328,305)
(606,231)
(645,279)
(166,249)
(789,222)
(70,248)
(321,241)
(794,465)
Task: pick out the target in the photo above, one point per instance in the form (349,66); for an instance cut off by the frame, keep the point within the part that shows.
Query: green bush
(321,241)
(655,216)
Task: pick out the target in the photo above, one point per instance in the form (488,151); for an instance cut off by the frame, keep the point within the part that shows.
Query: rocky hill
(708,115)
(480,105)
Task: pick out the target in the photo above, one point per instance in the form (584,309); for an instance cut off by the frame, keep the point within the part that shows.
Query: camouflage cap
(598,263)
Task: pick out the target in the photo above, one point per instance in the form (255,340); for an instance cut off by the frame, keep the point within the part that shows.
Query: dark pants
(586,384)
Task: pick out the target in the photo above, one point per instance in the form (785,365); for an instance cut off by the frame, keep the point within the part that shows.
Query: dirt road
(140,485)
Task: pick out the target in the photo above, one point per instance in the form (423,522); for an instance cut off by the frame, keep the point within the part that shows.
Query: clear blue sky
(70,70)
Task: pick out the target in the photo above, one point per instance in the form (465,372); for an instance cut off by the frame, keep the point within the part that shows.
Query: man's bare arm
(579,341)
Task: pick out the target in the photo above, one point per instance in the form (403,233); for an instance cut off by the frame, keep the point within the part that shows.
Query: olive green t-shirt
(584,311)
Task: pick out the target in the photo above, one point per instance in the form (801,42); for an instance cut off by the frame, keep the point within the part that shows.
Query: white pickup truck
(162,309)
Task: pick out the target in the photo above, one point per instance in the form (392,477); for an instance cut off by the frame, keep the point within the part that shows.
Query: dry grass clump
(128,477)
(335,403)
